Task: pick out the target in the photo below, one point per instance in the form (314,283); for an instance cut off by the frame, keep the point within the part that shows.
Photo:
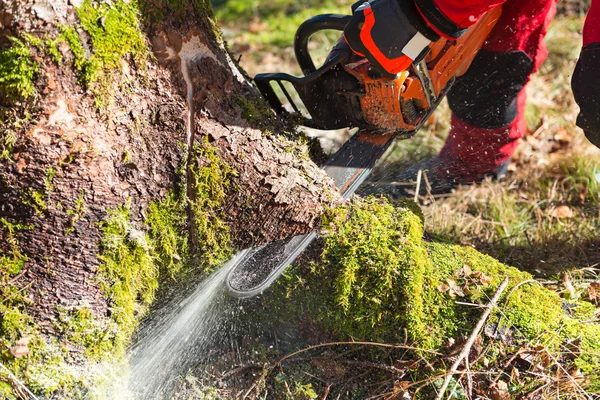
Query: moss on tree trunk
(132,153)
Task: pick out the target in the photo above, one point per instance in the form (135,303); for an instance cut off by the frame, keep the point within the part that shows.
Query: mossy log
(131,147)
(375,277)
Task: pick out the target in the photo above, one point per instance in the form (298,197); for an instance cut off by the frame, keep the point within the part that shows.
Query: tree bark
(82,149)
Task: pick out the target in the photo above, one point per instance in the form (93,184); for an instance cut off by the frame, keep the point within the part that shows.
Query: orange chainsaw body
(385,99)
(345,91)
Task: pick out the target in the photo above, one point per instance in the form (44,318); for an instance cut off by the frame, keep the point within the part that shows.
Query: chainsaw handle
(307,29)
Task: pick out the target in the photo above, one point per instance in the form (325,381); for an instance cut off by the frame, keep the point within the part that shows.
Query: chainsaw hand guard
(391,34)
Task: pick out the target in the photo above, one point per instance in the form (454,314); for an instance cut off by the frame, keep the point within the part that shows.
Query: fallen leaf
(500,391)
(467,270)
(476,349)
(562,212)
(443,287)
(457,291)
(485,280)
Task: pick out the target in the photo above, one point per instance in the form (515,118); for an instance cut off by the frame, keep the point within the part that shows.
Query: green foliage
(17,71)
(210,181)
(129,273)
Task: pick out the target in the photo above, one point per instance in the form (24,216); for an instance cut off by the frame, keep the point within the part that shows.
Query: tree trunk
(131,146)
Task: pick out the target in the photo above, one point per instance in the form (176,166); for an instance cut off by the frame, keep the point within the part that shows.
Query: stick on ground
(465,351)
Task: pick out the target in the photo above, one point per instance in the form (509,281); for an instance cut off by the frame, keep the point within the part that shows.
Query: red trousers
(488,103)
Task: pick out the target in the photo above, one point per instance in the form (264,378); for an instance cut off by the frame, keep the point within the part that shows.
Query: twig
(18,382)
(389,346)
(514,289)
(428,186)
(418,185)
(469,380)
(465,351)
(326,392)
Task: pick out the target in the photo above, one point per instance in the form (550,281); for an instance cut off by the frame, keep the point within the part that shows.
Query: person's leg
(488,102)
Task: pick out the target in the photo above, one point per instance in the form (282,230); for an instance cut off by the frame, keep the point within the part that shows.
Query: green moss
(257,112)
(115,38)
(36,200)
(76,213)
(50,174)
(93,335)
(17,71)
(6,391)
(167,230)
(210,181)
(45,369)
(71,37)
(377,278)
(383,276)
(53,50)
(129,274)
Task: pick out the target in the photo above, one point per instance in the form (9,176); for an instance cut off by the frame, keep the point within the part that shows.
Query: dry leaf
(443,287)
(20,349)
(562,212)
(476,349)
(467,270)
(454,288)
(457,291)
(485,280)
(500,391)
(400,391)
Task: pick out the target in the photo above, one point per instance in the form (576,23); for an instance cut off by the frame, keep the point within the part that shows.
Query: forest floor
(544,217)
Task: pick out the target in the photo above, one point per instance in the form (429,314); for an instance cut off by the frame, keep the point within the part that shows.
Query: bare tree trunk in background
(107,108)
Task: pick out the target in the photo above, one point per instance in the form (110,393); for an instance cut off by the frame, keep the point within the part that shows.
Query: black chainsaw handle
(309,27)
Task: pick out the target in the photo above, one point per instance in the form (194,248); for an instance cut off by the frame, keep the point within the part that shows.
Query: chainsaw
(346,92)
